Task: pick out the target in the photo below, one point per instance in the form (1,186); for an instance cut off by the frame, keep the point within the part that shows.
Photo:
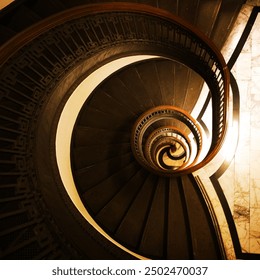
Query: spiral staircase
(98,139)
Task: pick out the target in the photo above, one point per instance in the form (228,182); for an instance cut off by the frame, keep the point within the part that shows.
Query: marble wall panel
(241,181)
(253,2)
(255,230)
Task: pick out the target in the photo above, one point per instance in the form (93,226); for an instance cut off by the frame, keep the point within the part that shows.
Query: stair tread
(113,212)
(136,216)
(100,194)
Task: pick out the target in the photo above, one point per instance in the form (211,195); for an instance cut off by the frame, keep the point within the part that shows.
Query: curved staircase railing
(57,51)
(111,25)
(152,139)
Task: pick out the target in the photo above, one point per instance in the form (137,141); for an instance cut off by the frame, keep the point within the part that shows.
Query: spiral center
(165,139)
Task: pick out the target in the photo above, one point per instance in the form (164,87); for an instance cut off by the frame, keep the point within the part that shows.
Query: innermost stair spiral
(166,139)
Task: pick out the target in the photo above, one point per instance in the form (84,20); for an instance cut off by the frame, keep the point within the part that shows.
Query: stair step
(89,136)
(153,241)
(87,155)
(177,238)
(202,234)
(99,195)
(115,210)
(96,173)
(136,216)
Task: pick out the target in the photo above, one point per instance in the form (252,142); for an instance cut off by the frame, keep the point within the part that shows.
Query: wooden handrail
(203,55)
